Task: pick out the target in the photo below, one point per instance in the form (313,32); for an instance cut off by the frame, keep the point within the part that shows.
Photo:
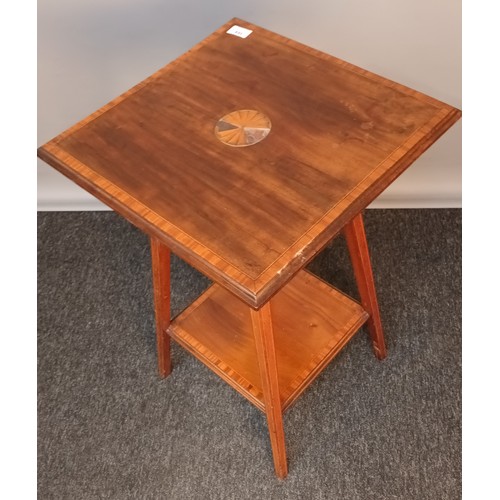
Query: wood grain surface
(311,323)
(263,326)
(243,128)
(160,266)
(355,236)
(249,218)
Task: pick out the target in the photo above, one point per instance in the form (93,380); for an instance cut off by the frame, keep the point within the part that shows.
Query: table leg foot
(160,257)
(264,341)
(355,236)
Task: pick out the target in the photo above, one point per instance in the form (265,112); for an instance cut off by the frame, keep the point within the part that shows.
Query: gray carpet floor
(108,427)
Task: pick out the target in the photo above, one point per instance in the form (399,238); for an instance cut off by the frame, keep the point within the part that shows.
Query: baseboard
(71,206)
(382,202)
(406,202)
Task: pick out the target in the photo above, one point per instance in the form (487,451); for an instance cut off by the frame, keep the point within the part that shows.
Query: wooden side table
(246,156)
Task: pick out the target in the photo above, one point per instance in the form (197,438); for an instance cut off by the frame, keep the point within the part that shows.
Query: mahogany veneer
(246,156)
(312,321)
(249,218)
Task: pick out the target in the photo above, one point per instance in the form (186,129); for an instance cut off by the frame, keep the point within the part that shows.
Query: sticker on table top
(238,31)
(241,128)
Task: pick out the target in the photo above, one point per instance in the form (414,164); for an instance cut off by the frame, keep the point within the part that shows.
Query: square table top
(249,217)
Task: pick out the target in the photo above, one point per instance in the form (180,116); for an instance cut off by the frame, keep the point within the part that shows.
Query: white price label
(238,31)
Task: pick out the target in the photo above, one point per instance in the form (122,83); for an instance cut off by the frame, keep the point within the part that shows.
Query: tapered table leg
(160,256)
(264,341)
(355,236)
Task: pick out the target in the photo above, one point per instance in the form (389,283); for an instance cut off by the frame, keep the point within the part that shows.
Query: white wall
(90,51)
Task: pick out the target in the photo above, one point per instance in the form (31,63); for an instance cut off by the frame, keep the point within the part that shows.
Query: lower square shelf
(312,321)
